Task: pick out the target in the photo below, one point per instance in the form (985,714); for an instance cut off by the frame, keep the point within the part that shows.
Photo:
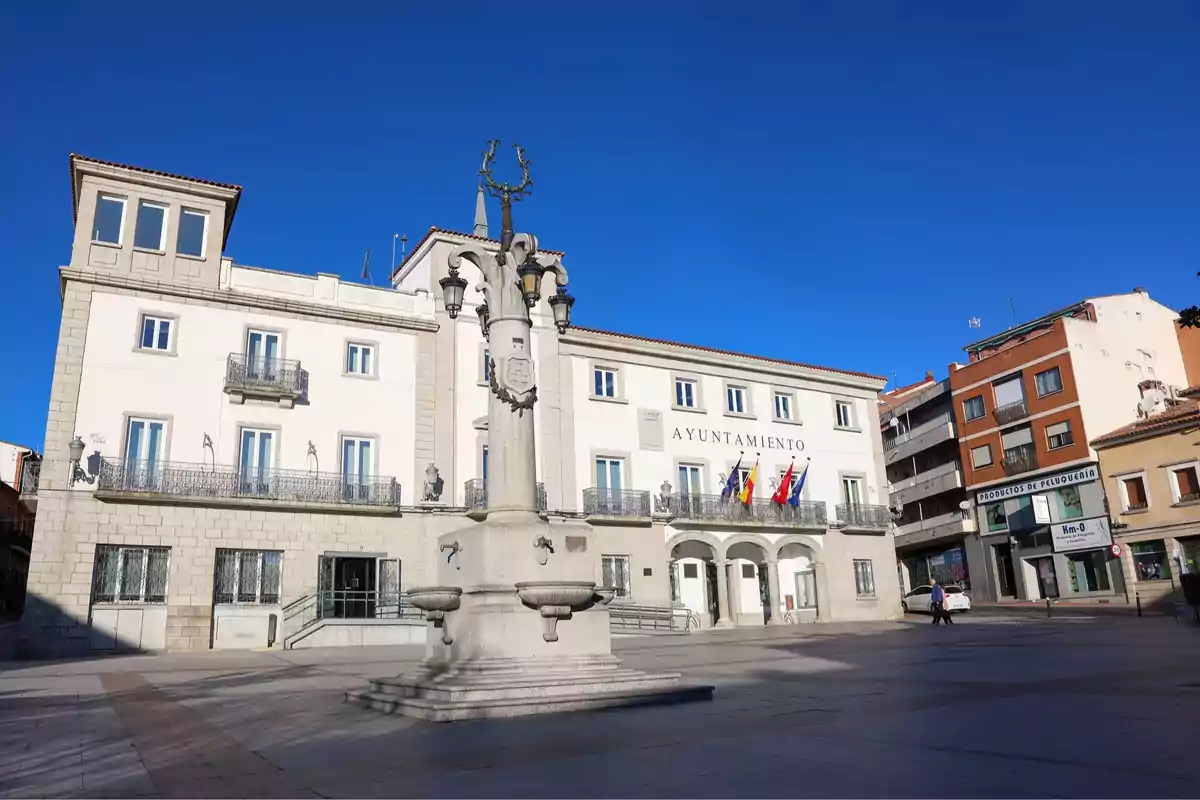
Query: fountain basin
(574,594)
(435,598)
(605,595)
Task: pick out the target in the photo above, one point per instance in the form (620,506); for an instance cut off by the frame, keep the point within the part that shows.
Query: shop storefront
(1049,537)
(945,563)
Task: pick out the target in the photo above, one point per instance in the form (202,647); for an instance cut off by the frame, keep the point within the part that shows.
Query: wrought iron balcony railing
(856,515)
(716,508)
(1019,459)
(476,494)
(1011,412)
(31,473)
(274,377)
(202,481)
(616,503)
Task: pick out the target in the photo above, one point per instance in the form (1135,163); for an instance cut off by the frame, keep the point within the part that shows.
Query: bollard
(1047,607)
(1138,599)
(272,629)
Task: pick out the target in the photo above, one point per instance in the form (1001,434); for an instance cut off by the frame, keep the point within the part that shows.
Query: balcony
(616,503)
(269,378)
(942,478)
(931,529)
(1011,412)
(477,498)
(182,482)
(1019,459)
(921,437)
(31,473)
(864,518)
(712,508)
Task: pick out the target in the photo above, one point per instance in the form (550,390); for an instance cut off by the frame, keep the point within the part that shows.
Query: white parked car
(918,600)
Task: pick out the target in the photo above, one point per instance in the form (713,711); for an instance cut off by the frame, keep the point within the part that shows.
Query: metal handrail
(276,375)
(1011,412)
(857,515)
(702,507)
(476,495)
(365,604)
(1021,458)
(919,430)
(637,617)
(180,479)
(31,474)
(616,502)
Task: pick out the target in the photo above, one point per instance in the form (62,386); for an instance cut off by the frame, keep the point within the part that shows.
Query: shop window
(1070,506)
(1088,571)
(997,520)
(1150,560)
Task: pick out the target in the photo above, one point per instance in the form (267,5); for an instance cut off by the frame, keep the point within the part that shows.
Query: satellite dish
(965,505)
(893,423)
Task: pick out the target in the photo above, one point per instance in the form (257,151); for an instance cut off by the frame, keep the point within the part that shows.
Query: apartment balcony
(176,482)
(920,438)
(932,529)
(942,478)
(863,517)
(616,503)
(1011,412)
(710,509)
(265,378)
(1019,459)
(27,487)
(477,497)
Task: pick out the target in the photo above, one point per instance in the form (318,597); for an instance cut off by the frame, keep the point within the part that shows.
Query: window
(193,233)
(615,574)
(360,359)
(1048,382)
(262,356)
(806,588)
(1008,391)
(109,221)
(1070,506)
(981,456)
(690,570)
(783,406)
(485,370)
(735,399)
(608,476)
(864,577)
(685,393)
(852,491)
(973,408)
(1185,484)
(130,574)
(1133,493)
(748,571)
(1088,571)
(1059,435)
(1150,561)
(484,463)
(605,382)
(997,519)
(156,333)
(358,466)
(256,457)
(151,229)
(843,413)
(248,576)
(143,452)
(1017,443)
(689,479)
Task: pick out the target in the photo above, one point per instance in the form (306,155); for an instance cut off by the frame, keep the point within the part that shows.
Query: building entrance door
(710,585)
(347,586)
(764,593)
(1004,571)
(1047,579)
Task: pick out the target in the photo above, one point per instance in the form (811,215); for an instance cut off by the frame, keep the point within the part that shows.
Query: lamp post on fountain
(512,285)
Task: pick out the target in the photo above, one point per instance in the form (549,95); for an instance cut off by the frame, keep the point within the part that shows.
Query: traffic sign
(1115,549)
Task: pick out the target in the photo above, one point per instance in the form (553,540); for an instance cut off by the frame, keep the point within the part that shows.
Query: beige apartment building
(1151,474)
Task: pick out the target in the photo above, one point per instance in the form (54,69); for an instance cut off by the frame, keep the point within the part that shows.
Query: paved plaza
(1002,704)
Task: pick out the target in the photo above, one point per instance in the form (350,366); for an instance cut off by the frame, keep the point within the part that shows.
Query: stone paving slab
(993,706)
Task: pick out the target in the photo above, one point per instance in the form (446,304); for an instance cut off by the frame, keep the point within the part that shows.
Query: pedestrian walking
(937,600)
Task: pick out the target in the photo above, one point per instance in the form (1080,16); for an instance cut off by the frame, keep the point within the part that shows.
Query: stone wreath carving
(518,406)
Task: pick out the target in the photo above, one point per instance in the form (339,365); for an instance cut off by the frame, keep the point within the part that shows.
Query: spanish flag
(746,495)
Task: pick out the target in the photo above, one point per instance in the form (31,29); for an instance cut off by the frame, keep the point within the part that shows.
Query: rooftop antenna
(366,273)
(1013,307)
(973,322)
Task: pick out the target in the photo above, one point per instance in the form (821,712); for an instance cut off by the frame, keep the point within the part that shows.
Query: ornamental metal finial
(503,192)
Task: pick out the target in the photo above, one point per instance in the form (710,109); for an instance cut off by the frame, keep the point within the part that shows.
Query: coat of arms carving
(513,382)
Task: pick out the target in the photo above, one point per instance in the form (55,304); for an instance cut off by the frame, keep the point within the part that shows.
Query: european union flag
(794,500)
(731,483)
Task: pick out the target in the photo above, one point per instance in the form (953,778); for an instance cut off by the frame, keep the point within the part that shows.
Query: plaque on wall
(650,429)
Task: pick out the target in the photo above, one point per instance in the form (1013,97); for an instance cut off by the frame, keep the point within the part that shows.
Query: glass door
(256,458)
(143,453)
(608,485)
(690,488)
(262,356)
(357,467)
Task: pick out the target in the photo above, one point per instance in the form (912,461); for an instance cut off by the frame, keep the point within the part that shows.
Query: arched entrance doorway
(696,577)
(753,590)
(798,580)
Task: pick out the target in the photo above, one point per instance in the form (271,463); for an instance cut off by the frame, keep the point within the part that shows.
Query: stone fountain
(517,625)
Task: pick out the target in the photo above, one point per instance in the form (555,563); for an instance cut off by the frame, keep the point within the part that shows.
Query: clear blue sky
(841,183)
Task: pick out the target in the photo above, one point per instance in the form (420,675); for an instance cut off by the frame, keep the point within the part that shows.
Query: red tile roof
(728,353)
(435,229)
(1186,411)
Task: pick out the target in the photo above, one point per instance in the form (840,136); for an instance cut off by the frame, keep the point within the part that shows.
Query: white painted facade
(9,457)
(423,400)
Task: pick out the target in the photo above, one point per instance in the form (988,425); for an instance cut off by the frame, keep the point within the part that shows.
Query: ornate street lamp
(560,304)
(453,287)
(482,311)
(75,449)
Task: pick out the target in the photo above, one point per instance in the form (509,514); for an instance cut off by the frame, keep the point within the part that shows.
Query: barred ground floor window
(248,576)
(123,574)
(864,577)
(615,574)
